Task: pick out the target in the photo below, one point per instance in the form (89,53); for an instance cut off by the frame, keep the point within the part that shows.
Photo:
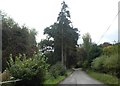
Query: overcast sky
(93,16)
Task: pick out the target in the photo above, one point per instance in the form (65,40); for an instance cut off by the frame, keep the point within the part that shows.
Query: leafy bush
(28,69)
(85,65)
(109,61)
(107,64)
(111,64)
(97,63)
(110,50)
(57,70)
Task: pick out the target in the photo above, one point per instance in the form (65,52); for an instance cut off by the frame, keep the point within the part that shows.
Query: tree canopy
(16,39)
(64,35)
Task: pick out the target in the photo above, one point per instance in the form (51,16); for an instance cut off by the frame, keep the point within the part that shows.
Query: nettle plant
(28,68)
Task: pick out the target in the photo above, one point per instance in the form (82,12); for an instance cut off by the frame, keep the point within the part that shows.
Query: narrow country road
(79,77)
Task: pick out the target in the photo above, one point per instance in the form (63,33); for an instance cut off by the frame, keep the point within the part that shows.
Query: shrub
(111,64)
(29,70)
(97,63)
(109,61)
(110,50)
(57,70)
(107,64)
(85,65)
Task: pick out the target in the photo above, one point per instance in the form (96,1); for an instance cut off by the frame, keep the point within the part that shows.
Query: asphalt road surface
(79,77)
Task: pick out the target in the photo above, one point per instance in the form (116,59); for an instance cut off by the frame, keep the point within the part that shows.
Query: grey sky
(93,16)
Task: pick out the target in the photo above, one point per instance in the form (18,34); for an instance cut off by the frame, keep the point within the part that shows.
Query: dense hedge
(28,69)
(108,62)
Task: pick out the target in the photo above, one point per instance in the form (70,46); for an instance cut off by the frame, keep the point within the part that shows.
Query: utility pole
(1,18)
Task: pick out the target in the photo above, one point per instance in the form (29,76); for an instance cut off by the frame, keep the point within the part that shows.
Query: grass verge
(105,78)
(56,81)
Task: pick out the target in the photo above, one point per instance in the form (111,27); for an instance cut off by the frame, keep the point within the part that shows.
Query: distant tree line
(100,58)
(87,51)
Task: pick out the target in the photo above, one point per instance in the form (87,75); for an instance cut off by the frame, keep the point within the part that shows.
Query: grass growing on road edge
(53,81)
(105,78)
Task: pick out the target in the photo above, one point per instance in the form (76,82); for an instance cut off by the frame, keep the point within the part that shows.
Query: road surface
(79,77)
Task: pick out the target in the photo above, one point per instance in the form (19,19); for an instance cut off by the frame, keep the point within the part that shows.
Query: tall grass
(105,78)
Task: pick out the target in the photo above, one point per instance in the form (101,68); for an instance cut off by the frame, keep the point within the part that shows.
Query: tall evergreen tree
(65,36)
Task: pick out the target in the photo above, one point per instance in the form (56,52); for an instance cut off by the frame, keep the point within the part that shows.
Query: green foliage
(105,78)
(85,53)
(91,49)
(87,42)
(28,68)
(108,62)
(51,58)
(46,45)
(111,64)
(98,63)
(55,81)
(57,70)
(16,39)
(94,52)
(110,50)
(85,64)
(64,37)
(81,56)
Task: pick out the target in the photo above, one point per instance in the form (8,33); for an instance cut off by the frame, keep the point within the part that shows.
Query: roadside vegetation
(102,60)
(51,60)
(57,80)
(43,63)
(107,79)
(108,65)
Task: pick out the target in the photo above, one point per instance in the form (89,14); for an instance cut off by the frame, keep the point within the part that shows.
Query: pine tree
(64,35)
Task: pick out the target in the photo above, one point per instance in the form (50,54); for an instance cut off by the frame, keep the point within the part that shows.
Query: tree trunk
(65,58)
(62,49)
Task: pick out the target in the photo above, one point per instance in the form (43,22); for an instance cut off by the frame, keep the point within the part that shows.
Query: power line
(109,27)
